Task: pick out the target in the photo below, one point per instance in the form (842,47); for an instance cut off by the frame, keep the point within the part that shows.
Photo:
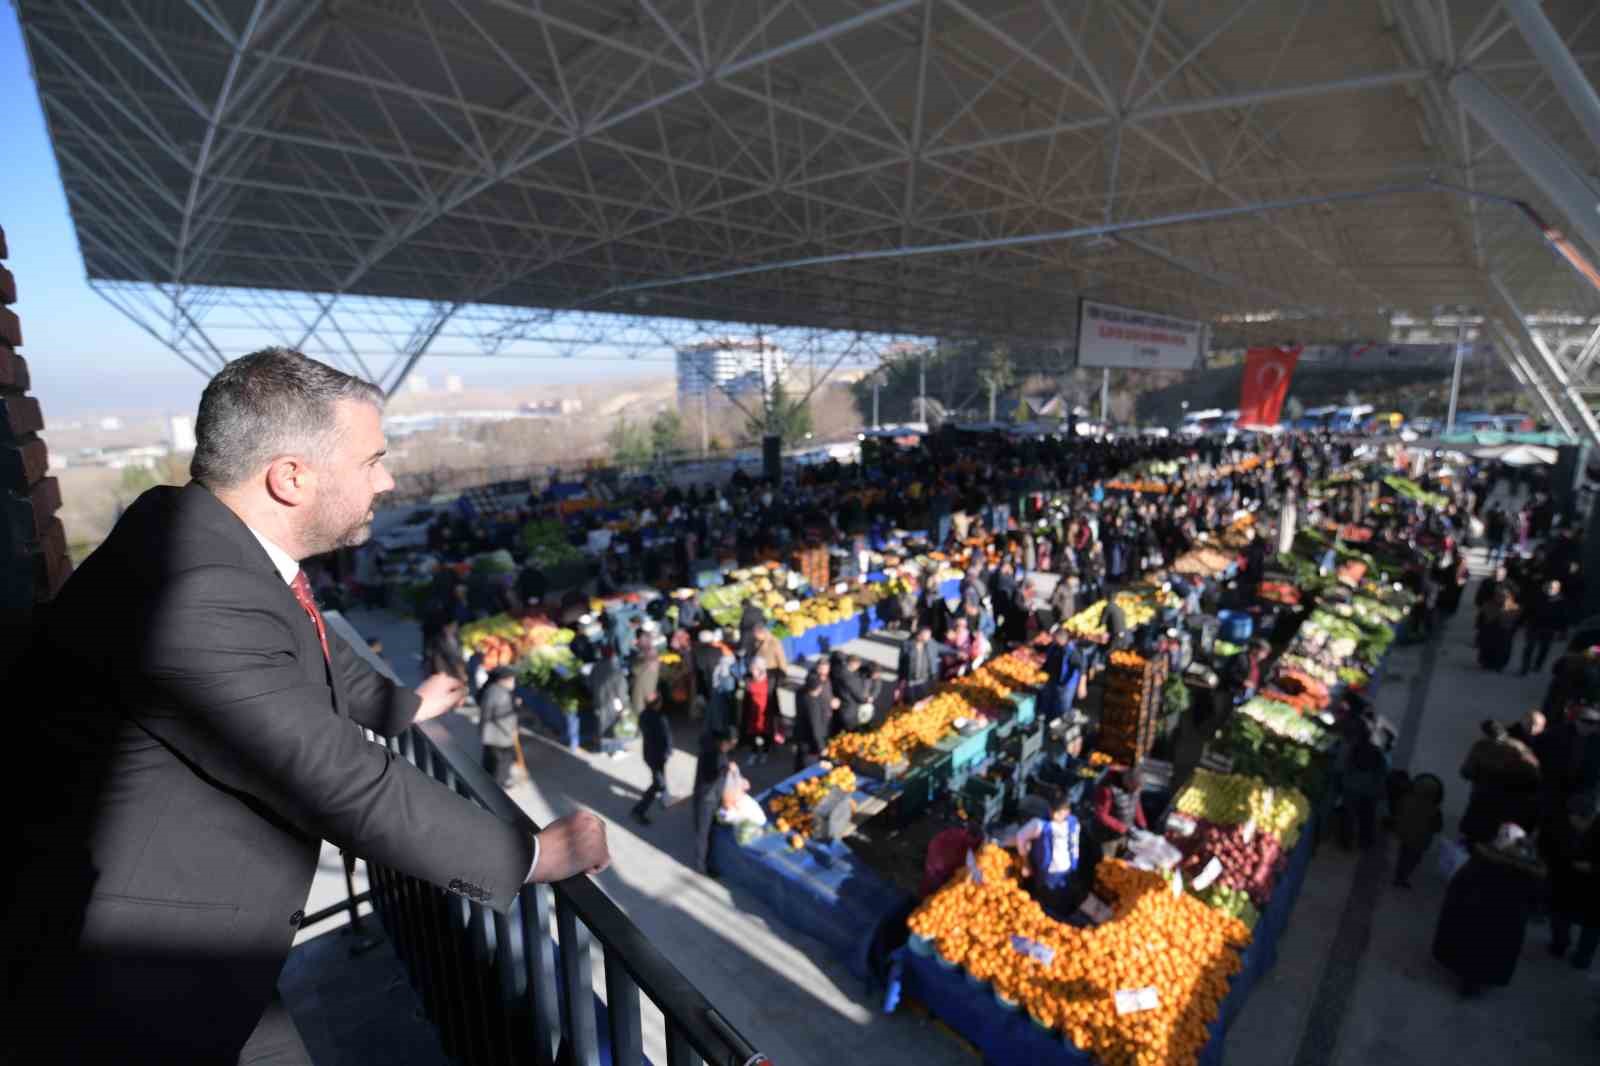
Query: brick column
(33,543)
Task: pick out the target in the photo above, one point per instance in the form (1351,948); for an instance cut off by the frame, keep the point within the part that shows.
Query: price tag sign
(1249,831)
(1180,825)
(1033,950)
(972,868)
(1134,1000)
(1210,873)
(1177,884)
(1095,909)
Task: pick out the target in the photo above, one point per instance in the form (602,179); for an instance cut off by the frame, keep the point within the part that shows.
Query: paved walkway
(1354,985)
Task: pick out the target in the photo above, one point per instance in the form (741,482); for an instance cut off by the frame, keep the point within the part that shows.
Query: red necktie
(301,587)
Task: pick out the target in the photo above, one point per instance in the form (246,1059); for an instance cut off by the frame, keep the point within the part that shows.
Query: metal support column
(1105,396)
(1455,379)
(1556,174)
(1568,78)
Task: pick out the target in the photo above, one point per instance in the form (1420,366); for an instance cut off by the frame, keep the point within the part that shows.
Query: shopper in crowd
(722,707)
(1498,621)
(1419,817)
(441,649)
(204,747)
(851,689)
(751,619)
(1048,850)
(1064,600)
(758,720)
(1118,809)
(1363,773)
(814,716)
(1063,669)
(1572,849)
(919,666)
(655,730)
(1505,776)
(608,691)
(1486,910)
(497,723)
(1544,620)
(645,673)
(714,774)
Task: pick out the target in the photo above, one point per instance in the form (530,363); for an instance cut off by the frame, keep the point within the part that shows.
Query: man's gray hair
(266,404)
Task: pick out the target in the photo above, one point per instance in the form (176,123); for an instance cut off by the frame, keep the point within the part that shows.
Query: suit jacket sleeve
(231,698)
(373,700)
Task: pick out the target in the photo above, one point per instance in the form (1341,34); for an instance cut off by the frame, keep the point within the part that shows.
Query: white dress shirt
(288,568)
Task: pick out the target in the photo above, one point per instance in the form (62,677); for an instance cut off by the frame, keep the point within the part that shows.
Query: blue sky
(83,354)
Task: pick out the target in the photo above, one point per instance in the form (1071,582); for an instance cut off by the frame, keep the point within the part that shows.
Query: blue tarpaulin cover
(822,890)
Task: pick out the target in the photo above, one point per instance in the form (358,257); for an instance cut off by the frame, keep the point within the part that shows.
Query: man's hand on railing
(440,693)
(575,844)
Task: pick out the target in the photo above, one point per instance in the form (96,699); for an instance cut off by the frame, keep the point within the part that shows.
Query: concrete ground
(1354,985)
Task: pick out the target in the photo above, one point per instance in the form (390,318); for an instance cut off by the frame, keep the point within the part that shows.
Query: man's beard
(331,529)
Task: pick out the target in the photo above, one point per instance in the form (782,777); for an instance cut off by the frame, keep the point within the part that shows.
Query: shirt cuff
(534,865)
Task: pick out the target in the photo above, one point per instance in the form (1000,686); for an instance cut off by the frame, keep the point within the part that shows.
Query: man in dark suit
(210,740)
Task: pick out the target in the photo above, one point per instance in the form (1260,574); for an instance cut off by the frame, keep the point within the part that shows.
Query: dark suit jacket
(193,753)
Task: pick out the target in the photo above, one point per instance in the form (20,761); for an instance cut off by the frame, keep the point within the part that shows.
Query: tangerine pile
(909,728)
(1177,945)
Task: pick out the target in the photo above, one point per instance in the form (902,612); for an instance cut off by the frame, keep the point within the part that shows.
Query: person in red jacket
(1117,810)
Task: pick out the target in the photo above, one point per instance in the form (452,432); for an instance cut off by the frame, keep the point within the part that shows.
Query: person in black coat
(710,779)
(1570,843)
(815,716)
(655,730)
(1544,619)
(749,619)
(1486,910)
(851,690)
(180,788)
(1115,621)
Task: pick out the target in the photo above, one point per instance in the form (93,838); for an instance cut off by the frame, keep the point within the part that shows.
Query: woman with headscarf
(1486,911)
(1505,775)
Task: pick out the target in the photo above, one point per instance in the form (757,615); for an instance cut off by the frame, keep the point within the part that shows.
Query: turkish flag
(1266,382)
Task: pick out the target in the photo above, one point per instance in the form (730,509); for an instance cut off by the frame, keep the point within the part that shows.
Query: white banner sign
(1126,338)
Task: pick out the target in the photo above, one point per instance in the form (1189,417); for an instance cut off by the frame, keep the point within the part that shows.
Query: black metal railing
(501,989)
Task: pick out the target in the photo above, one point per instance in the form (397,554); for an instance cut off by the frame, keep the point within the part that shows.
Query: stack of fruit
(547,544)
(1174,944)
(908,729)
(791,813)
(1251,861)
(503,639)
(1132,706)
(1234,799)
(1139,607)
(811,562)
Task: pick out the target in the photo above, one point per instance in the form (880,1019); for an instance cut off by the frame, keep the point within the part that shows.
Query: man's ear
(290,480)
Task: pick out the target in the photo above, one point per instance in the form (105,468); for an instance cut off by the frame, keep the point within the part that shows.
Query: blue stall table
(822,890)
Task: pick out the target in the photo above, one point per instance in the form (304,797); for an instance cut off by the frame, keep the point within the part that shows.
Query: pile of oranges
(792,813)
(1175,944)
(925,724)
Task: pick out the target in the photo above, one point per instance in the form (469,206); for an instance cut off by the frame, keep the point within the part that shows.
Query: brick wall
(33,543)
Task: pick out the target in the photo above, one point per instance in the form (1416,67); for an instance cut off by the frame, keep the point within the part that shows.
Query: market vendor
(1063,666)
(1117,809)
(1245,671)
(691,616)
(586,639)
(1048,851)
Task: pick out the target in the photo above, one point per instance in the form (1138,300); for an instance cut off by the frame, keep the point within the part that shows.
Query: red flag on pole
(1266,382)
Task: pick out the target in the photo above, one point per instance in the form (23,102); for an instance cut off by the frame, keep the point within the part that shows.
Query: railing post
(622,1011)
(539,958)
(577,984)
